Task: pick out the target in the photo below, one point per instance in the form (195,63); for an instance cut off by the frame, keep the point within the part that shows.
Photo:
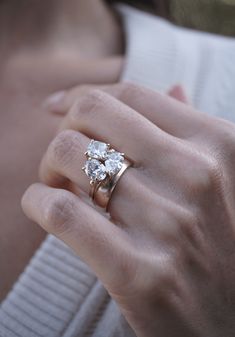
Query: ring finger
(64,160)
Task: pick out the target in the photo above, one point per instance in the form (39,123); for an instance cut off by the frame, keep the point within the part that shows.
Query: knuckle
(161,281)
(128,89)
(226,137)
(165,284)
(181,223)
(58,213)
(208,177)
(212,174)
(171,223)
(188,223)
(61,148)
(87,104)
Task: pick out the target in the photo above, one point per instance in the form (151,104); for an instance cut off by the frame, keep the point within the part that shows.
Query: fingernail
(54,101)
(178,92)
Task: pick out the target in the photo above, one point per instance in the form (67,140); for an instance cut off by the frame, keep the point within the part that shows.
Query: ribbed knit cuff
(58,295)
(48,293)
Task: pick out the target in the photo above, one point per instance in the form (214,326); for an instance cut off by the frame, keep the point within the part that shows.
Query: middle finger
(101,116)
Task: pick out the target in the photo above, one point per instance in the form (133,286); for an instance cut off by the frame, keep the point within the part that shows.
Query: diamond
(114,162)
(97,150)
(95,170)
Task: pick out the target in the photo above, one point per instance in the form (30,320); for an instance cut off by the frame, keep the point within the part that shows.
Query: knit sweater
(58,294)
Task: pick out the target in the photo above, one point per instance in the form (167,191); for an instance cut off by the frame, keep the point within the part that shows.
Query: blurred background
(215,16)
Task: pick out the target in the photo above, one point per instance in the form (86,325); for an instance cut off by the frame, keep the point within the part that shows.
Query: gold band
(104,166)
(101,193)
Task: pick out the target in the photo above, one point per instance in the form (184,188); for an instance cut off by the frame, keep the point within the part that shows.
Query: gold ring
(104,166)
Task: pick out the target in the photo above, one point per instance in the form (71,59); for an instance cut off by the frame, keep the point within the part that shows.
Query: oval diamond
(114,162)
(95,170)
(97,150)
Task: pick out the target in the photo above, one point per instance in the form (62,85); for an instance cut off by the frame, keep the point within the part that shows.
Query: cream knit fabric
(58,294)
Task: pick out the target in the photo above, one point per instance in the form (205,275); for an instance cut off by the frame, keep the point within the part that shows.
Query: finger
(65,157)
(63,162)
(101,116)
(101,244)
(175,118)
(60,102)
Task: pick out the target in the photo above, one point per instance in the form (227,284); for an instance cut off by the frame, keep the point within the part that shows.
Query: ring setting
(102,161)
(104,166)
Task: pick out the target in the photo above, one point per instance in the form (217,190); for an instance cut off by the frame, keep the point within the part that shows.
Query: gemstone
(95,170)
(113,163)
(97,150)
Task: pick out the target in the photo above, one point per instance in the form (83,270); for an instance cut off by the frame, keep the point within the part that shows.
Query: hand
(167,255)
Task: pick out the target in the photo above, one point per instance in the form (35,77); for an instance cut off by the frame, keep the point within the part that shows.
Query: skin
(68,50)
(166,254)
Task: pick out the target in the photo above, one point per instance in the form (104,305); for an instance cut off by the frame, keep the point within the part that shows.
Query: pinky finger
(101,244)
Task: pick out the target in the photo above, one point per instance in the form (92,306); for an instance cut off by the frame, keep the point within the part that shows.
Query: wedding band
(104,166)
(103,192)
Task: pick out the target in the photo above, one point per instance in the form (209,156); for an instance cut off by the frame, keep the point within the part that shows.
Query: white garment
(160,55)
(58,294)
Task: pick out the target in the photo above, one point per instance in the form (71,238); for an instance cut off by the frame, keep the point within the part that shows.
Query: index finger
(169,114)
